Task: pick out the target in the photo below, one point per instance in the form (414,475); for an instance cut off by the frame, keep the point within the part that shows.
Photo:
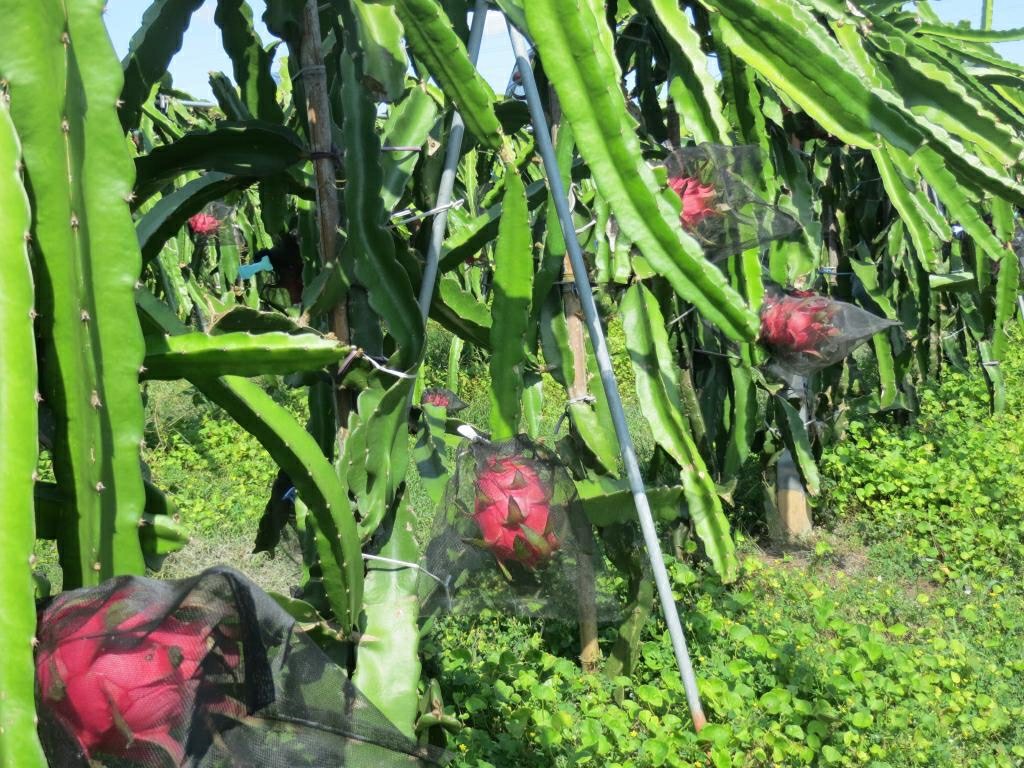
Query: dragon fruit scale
(513,512)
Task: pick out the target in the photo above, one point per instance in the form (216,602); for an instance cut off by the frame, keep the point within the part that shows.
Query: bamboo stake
(578,390)
(590,651)
(597,339)
(318,117)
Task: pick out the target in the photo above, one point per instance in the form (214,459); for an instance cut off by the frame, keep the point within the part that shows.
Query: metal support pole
(604,364)
(451,164)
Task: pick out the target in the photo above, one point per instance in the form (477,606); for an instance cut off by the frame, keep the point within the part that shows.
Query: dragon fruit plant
(513,510)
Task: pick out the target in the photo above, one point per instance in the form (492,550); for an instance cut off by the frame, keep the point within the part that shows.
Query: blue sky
(202,52)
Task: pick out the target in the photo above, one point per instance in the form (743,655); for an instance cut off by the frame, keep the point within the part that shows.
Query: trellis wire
(604,364)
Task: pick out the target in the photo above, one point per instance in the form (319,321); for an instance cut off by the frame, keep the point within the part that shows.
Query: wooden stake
(590,651)
(793,515)
(318,117)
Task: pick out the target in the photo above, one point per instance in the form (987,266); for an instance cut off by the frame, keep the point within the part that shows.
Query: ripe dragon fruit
(698,200)
(442,398)
(800,323)
(116,693)
(203,224)
(513,512)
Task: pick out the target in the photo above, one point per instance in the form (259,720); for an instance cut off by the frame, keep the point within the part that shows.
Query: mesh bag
(442,398)
(215,220)
(508,535)
(207,671)
(806,332)
(720,209)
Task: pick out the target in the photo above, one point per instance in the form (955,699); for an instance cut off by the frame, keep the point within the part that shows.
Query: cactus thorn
(35,476)
(119,103)
(142,369)
(65,38)
(27,237)
(96,566)
(94,400)
(130,198)
(85,316)
(32,559)
(39,398)
(65,126)
(75,223)
(32,314)
(99,489)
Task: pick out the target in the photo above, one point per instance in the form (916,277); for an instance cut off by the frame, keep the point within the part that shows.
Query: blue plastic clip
(247,271)
(290,495)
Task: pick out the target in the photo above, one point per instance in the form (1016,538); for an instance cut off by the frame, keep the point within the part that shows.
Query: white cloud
(494,24)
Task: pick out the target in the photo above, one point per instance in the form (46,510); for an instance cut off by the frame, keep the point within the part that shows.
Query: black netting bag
(217,219)
(442,398)
(201,672)
(719,206)
(806,332)
(510,536)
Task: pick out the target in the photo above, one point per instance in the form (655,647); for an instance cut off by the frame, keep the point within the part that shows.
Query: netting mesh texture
(719,206)
(509,535)
(207,671)
(806,332)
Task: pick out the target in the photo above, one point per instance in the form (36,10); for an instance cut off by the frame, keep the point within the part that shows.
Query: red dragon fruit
(513,512)
(798,324)
(698,200)
(203,224)
(114,694)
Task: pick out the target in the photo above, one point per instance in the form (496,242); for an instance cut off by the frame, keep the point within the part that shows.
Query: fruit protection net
(719,206)
(215,220)
(509,536)
(207,671)
(806,332)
